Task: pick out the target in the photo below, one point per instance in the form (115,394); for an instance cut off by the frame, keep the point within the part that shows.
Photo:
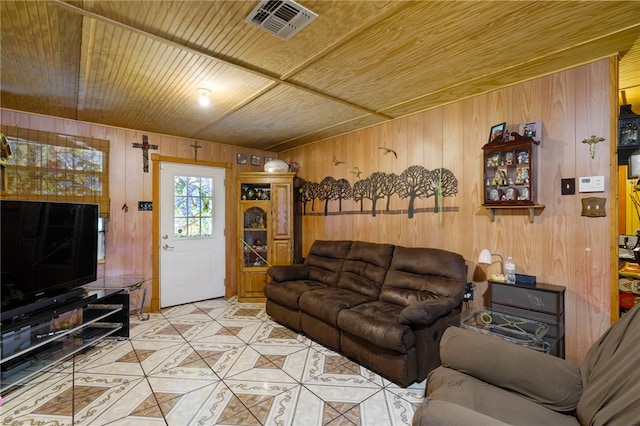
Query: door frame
(155,234)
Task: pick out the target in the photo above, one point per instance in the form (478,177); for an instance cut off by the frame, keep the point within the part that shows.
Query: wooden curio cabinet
(265,229)
(510,175)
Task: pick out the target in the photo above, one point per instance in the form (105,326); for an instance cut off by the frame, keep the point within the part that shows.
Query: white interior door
(192,242)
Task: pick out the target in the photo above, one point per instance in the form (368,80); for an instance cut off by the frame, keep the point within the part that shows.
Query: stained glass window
(193,207)
(56,167)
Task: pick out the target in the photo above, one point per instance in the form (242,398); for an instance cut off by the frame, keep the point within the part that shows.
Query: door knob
(167,247)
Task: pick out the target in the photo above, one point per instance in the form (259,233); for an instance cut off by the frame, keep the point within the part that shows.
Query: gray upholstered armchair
(484,380)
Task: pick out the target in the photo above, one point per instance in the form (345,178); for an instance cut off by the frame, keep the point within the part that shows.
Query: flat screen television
(47,250)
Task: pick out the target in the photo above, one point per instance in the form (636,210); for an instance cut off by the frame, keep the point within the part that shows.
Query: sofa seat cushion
(326,303)
(450,385)
(288,293)
(377,322)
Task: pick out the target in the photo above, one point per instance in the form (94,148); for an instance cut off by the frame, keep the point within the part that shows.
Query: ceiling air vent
(283,18)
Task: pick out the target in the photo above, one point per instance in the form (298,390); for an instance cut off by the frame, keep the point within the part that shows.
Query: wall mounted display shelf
(510,175)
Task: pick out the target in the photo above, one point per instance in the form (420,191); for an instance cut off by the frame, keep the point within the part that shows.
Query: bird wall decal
(356,171)
(336,162)
(387,151)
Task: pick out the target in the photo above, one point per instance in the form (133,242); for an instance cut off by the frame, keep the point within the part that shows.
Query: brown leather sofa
(484,380)
(382,305)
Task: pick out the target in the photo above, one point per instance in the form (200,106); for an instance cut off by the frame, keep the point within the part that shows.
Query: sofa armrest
(426,311)
(545,379)
(288,272)
(433,412)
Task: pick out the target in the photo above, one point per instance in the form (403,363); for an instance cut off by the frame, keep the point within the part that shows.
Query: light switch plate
(591,184)
(568,186)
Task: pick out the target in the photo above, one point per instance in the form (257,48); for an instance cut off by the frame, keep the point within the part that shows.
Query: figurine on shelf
(523,157)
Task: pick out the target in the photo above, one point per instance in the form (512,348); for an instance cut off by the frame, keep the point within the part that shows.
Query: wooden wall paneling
(616,194)
(592,118)
(453,153)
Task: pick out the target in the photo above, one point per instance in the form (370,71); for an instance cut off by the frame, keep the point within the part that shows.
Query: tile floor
(216,362)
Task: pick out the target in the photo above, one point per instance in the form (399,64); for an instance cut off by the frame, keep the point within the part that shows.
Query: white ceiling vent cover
(283,18)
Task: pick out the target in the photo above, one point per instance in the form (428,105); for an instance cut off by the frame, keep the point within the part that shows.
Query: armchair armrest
(288,272)
(434,412)
(426,311)
(545,379)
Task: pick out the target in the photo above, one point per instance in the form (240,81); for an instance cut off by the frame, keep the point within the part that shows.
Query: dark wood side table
(541,302)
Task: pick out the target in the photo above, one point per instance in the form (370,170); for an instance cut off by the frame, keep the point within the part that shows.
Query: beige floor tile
(215,362)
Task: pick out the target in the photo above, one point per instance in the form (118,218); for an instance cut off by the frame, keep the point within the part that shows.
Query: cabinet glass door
(254,238)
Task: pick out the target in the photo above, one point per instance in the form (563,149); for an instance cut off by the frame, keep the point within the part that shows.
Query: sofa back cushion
(325,260)
(424,273)
(611,376)
(365,268)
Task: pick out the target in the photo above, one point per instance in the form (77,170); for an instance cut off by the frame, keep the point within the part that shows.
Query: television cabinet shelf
(35,342)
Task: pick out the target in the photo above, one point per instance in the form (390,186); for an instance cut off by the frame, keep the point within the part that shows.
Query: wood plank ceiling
(138,64)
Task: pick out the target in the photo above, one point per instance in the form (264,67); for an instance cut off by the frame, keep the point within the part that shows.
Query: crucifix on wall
(195,147)
(145,147)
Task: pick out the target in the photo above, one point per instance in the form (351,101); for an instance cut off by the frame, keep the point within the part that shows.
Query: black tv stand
(32,344)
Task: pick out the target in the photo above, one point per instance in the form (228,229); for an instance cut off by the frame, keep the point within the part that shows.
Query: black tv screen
(47,249)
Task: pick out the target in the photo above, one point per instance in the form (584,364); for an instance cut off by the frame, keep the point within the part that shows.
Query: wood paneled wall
(561,246)
(128,237)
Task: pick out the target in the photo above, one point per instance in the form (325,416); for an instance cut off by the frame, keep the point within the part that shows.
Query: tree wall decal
(415,182)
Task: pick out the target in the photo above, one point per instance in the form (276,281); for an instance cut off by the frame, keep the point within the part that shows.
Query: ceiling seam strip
(235,108)
(222,60)
(370,22)
(309,134)
(537,59)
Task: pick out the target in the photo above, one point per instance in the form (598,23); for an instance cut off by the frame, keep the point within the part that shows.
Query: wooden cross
(145,147)
(592,141)
(196,147)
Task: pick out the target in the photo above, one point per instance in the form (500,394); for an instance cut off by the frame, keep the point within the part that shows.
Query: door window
(193,207)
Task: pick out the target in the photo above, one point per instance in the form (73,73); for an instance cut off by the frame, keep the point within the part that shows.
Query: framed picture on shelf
(497,132)
(241,158)
(531,130)
(267,159)
(255,160)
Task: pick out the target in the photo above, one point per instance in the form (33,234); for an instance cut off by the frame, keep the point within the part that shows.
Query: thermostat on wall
(591,184)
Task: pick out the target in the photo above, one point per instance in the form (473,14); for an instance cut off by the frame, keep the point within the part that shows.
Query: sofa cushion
(365,267)
(418,274)
(377,322)
(325,303)
(325,260)
(288,293)
(447,384)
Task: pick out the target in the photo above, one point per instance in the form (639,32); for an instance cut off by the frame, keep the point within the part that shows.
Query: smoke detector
(282,18)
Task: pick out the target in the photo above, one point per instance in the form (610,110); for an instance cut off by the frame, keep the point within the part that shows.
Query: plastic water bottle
(510,270)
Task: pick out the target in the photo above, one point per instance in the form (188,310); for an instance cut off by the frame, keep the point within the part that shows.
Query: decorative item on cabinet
(265,229)
(511,170)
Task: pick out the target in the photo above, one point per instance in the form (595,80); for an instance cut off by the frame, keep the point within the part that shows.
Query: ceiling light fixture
(204,100)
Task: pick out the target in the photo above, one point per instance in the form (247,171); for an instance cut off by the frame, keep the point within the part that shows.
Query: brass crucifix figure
(592,141)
